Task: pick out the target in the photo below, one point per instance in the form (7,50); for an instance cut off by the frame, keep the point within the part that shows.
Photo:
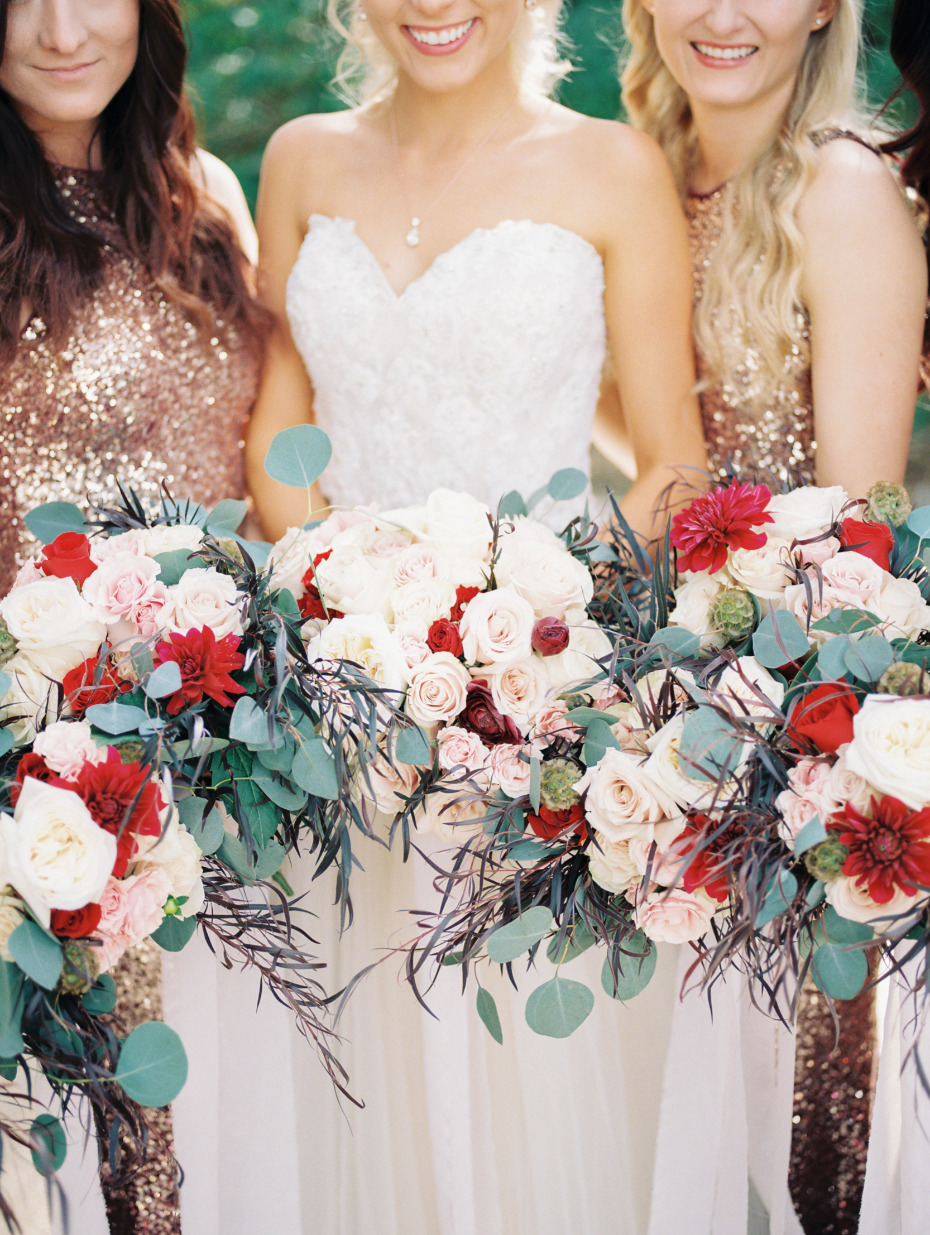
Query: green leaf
(285,603)
(597,741)
(779,640)
(165,680)
(207,830)
(810,835)
(677,640)
(535,782)
(6,739)
(5,682)
(412,747)
(298,456)
(249,724)
(314,769)
(567,483)
(846,621)
(152,1065)
(174,563)
(558,1007)
(837,929)
(225,517)
(49,521)
(869,657)
(37,953)
(8,1069)
(918,521)
(116,718)
(487,1010)
(175,933)
(101,998)
(278,759)
(839,973)
(51,1144)
(278,792)
(511,505)
(233,853)
(782,891)
(528,851)
(183,510)
(635,972)
(564,948)
(12,1004)
(709,746)
(588,716)
(831,659)
(510,941)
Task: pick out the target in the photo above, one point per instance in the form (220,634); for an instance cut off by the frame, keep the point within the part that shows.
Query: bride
(446,262)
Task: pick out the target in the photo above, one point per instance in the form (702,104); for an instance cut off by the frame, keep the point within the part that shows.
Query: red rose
(91,683)
(709,849)
(724,519)
(205,665)
(32,765)
(462,596)
(824,717)
(311,603)
(75,923)
(481,716)
(443,636)
(68,557)
(872,540)
(550,636)
(550,824)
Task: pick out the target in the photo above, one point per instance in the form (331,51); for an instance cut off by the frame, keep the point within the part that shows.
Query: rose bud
(443,636)
(550,636)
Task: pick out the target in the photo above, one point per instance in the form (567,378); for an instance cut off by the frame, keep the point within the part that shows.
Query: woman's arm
(285,397)
(865,287)
(648,305)
(222,187)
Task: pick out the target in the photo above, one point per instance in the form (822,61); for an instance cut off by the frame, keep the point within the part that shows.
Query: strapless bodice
(482,375)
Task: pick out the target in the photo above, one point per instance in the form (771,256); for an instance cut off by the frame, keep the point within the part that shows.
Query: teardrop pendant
(413,236)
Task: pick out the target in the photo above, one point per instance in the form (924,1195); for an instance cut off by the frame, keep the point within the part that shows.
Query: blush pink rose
(497,627)
(855,577)
(122,583)
(550,721)
(460,748)
(818,551)
(675,916)
(420,562)
(437,689)
(510,772)
(144,904)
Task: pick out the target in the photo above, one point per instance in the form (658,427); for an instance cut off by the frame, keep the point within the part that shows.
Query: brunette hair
(50,260)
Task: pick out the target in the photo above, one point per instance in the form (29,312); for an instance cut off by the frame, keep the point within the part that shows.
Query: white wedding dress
(481,376)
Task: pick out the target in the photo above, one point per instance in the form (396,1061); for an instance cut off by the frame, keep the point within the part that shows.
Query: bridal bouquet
(164,743)
(676,790)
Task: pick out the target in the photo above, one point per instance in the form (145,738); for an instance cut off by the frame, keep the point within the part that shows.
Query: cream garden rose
(765,571)
(891,747)
(497,627)
(204,598)
(805,512)
(29,700)
(621,798)
(366,641)
(53,624)
(693,602)
(851,900)
(610,864)
(437,690)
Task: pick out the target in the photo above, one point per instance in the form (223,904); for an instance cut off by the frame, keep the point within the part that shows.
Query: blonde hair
(365,73)
(753,280)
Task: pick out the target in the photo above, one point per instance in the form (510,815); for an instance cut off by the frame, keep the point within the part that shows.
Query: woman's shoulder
(625,163)
(852,183)
(220,185)
(307,135)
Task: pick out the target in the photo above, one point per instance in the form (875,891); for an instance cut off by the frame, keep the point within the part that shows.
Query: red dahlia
(205,665)
(721,520)
(462,596)
(123,799)
(889,851)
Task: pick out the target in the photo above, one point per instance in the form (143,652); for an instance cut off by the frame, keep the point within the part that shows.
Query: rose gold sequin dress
(774,444)
(136,395)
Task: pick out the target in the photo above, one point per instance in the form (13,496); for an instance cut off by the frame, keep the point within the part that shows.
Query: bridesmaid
(130,350)
(810,288)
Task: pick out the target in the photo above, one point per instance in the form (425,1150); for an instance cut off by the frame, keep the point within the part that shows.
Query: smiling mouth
(716,51)
(441,37)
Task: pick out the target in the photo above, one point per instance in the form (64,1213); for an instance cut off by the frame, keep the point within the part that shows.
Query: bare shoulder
(218,180)
(852,184)
(308,136)
(624,167)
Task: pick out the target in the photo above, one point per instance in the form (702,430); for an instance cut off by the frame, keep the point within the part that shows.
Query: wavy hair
(753,280)
(365,73)
(51,261)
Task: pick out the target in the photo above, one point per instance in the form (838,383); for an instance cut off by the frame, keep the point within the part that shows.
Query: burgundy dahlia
(718,521)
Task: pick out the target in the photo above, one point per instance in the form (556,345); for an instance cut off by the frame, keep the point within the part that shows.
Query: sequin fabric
(770,440)
(137,394)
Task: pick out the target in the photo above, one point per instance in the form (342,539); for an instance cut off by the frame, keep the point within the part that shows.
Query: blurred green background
(258,63)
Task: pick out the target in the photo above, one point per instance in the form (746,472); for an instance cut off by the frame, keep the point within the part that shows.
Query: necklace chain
(413,235)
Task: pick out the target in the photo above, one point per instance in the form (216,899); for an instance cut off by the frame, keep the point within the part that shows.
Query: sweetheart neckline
(440,258)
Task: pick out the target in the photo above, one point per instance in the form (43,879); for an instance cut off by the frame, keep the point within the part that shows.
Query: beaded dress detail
(138,395)
(503,338)
(775,440)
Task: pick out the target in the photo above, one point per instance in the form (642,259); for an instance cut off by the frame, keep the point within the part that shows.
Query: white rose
(365,640)
(497,627)
(750,690)
(53,624)
(177,854)
(11,914)
(587,646)
(165,539)
(545,575)
(437,690)
(844,785)
(459,813)
(693,601)
(30,701)
(424,600)
(518,690)
(621,797)
(204,598)
(852,901)
(457,525)
(610,864)
(419,562)
(57,856)
(891,747)
(765,571)
(352,582)
(805,512)
(664,765)
(291,557)
(901,608)
(66,745)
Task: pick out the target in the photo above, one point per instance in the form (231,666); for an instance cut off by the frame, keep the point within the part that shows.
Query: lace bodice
(481,376)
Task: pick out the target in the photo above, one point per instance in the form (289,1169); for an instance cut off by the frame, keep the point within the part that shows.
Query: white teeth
(724,53)
(439,38)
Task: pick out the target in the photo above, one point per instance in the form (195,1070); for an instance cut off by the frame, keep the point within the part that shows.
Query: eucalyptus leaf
(508,942)
(233,853)
(558,1007)
(565,947)
(487,1010)
(175,933)
(6,737)
(278,792)
(49,521)
(635,973)
(841,930)
(314,769)
(116,718)
(528,851)
(810,835)
(918,521)
(412,747)
(173,565)
(249,724)
(50,1143)
(782,891)
(709,747)
(152,1065)
(839,972)
(8,1069)
(677,640)
(779,640)
(597,741)
(566,484)
(165,680)
(101,998)
(5,682)
(37,953)
(831,659)
(869,657)
(208,831)
(511,505)
(226,517)
(846,621)
(298,456)
(12,1003)
(535,782)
